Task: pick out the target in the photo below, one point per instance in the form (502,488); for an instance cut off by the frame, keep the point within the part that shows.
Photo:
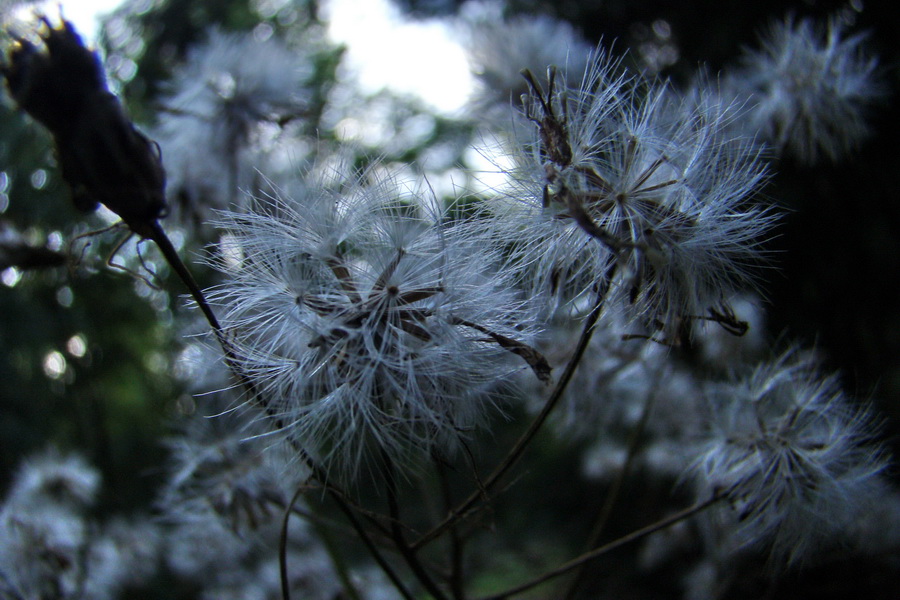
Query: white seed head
(810,88)
(228,89)
(54,478)
(790,452)
(500,47)
(625,182)
(369,325)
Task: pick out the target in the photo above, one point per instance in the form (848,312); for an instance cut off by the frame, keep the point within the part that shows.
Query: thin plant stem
(171,255)
(525,439)
(609,547)
(318,521)
(282,545)
(618,484)
(158,235)
(457,573)
(374,518)
(399,538)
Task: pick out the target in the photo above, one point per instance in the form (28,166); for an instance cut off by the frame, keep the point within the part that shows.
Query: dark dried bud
(103,158)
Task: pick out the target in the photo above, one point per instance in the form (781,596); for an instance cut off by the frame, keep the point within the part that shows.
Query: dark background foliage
(835,286)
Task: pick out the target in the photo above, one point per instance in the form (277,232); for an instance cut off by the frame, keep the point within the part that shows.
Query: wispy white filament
(369,324)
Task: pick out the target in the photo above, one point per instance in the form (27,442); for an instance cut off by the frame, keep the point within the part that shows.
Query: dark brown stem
(522,443)
(282,545)
(399,538)
(457,573)
(615,544)
(615,490)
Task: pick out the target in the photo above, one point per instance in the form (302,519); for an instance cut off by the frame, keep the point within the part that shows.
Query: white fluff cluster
(499,47)
(49,548)
(623,184)
(792,454)
(223,563)
(55,478)
(368,325)
(228,87)
(808,89)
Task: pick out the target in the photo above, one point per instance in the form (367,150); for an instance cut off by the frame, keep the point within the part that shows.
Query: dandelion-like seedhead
(223,563)
(228,87)
(52,478)
(369,326)
(49,548)
(40,551)
(123,557)
(790,452)
(223,507)
(624,183)
(220,464)
(809,89)
(500,47)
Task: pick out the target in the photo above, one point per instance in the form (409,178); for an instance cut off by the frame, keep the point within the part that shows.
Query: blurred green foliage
(838,250)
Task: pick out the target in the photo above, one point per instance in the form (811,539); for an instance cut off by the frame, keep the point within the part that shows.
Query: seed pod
(103,158)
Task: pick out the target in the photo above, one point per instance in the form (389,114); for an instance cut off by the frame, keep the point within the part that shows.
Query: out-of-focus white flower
(52,478)
(220,463)
(124,555)
(231,555)
(41,550)
(200,544)
(43,533)
(500,47)
(809,88)
(624,184)
(225,90)
(368,325)
(789,451)
(50,549)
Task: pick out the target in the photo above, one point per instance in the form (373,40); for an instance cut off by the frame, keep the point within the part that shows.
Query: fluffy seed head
(625,184)
(809,88)
(230,86)
(54,478)
(499,47)
(371,327)
(789,451)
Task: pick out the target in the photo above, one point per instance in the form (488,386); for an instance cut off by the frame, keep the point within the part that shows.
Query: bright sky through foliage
(387,50)
(384,48)
(82,13)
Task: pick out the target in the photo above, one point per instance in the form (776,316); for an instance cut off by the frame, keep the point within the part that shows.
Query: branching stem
(522,443)
(613,545)
(408,554)
(616,489)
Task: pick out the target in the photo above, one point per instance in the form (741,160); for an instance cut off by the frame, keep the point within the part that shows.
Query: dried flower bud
(103,158)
